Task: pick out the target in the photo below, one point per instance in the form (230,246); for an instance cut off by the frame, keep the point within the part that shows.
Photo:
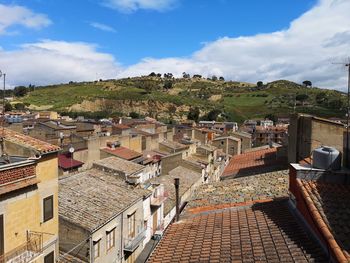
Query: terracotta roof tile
(332,211)
(122,152)
(256,162)
(244,234)
(26,141)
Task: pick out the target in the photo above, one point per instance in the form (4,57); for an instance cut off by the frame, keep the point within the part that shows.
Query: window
(110,239)
(49,258)
(48,208)
(131,225)
(96,249)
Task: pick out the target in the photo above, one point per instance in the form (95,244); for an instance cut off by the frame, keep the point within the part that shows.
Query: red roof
(256,162)
(65,162)
(28,142)
(264,232)
(329,206)
(123,153)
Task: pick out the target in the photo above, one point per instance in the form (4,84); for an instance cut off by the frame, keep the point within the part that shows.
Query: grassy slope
(239,101)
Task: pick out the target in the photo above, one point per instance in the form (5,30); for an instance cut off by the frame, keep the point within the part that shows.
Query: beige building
(229,145)
(29,200)
(101,217)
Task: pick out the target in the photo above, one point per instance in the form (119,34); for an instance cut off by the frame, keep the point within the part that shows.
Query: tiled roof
(256,162)
(265,232)
(330,204)
(65,162)
(187,179)
(89,199)
(239,190)
(118,164)
(122,152)
(26,141)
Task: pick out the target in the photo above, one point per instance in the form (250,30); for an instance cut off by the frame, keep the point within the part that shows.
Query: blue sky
(51,41)
(178,31)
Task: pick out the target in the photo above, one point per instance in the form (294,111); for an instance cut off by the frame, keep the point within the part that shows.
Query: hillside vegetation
(173,99)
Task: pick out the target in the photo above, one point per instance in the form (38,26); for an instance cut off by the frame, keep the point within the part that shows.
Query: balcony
(159,200)
(26,252)
(131,243)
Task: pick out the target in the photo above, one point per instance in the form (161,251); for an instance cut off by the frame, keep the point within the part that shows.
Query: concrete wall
(170,162)
(246,143)
(307,133)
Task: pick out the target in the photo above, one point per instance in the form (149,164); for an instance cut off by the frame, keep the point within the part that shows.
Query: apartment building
(28,199)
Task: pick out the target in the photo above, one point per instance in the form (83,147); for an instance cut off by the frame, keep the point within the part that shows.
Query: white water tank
(327,158)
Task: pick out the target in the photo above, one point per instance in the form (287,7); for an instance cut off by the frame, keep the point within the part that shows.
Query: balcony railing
(25,252)
(130,244)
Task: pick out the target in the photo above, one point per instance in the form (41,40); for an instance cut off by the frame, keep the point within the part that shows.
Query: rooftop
(122,152)
(239,190)
(26,141)
(332,210)
(118,164)
(174,145)
(257,162)
(66,162)
(254,233)
(85,198)
(187,179)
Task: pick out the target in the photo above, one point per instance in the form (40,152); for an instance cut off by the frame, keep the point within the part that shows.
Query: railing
(25,252)
(130,244)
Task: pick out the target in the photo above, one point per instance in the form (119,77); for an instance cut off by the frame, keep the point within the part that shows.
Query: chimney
(177,184)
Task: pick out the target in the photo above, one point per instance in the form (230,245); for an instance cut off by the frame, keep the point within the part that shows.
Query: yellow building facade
(28,200)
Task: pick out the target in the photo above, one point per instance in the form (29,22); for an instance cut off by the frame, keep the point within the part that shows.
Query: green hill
(173,98)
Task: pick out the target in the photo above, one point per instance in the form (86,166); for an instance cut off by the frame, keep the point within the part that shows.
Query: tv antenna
(347,65)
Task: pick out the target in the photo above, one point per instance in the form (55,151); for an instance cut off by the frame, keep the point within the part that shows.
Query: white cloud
(305,50)
(50,62)
(102,27)
(18,15)
(129,6)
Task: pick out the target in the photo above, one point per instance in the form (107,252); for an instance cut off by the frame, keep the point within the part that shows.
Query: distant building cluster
(138,190)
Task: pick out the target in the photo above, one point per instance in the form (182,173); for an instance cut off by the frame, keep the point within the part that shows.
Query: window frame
(132,225)
(98,245)
(51,216)
(110,241)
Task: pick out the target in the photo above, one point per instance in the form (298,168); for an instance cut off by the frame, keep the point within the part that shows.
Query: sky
(49,41)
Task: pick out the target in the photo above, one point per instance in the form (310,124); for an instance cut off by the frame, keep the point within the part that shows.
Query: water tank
(327,158)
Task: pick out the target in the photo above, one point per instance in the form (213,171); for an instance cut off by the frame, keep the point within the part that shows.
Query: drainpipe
(177,184)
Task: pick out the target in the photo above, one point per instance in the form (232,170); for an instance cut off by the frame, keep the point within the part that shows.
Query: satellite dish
(108,134)
(71,150)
